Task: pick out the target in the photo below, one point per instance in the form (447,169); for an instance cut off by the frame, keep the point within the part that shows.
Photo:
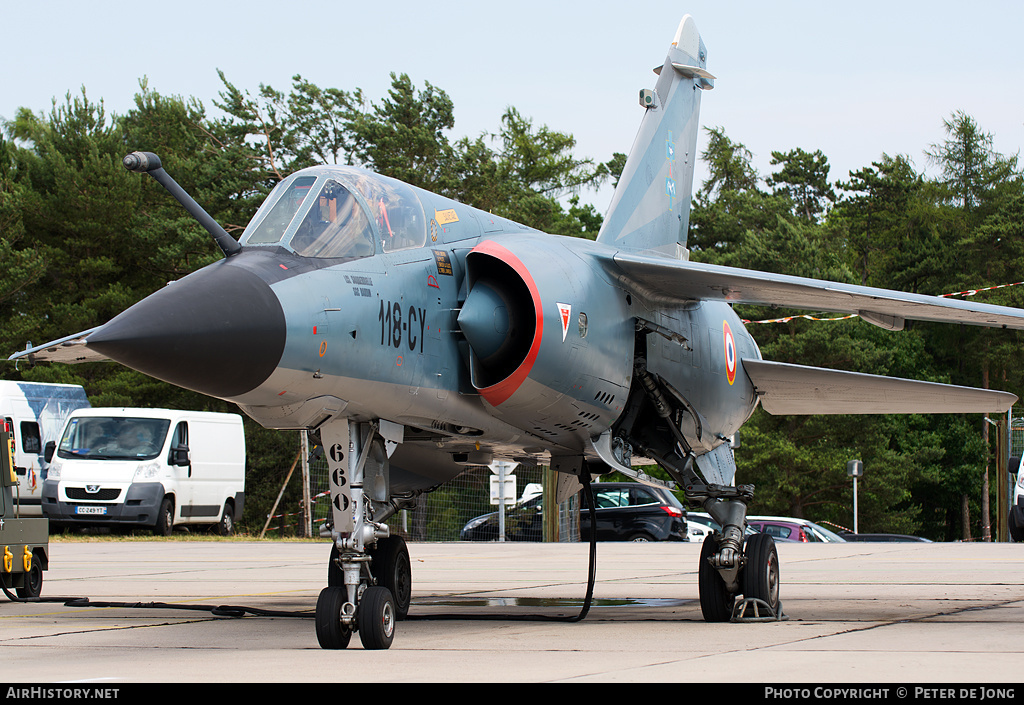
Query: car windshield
(113,438)
(823,533)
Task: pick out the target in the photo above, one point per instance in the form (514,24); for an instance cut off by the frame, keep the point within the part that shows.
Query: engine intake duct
(499,320)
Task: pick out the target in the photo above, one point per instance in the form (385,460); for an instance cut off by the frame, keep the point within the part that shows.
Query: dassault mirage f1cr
(417,335)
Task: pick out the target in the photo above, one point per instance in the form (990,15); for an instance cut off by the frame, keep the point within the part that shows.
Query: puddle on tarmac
(547,602)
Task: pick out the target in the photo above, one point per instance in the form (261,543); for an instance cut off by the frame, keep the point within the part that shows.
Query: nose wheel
(332,631)
(374,618)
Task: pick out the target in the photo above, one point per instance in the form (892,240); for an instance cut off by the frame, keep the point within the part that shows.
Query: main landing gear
(731,564)
(664,427)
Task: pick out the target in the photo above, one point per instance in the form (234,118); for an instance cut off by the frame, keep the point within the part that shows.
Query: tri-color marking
(730,353)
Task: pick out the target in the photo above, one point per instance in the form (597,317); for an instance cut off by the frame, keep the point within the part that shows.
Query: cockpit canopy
(341,212)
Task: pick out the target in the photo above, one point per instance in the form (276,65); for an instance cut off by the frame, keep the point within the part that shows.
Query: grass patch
(108,536)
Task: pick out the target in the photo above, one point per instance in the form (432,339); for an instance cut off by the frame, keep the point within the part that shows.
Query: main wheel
(715,600)
(761,572)
(331,632)
(392,569)
(375,618)
(33,581)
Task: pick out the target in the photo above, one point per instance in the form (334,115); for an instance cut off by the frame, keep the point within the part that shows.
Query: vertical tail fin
(650,210)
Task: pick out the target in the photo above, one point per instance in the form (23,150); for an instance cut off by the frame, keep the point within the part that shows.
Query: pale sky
(854,80)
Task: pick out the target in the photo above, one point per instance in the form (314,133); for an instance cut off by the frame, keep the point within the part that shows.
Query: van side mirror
(179,456)
(51,448)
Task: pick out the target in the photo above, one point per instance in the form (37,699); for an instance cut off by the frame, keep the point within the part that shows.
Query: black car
(625,511)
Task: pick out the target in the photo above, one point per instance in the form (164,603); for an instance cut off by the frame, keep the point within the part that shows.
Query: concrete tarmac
(856,613)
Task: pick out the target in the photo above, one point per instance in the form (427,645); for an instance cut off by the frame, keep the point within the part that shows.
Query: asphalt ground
(894,614)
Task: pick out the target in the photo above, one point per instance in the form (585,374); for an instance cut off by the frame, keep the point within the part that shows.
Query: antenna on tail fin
(650,210)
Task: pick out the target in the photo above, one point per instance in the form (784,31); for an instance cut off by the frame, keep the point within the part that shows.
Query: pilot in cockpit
(335,226)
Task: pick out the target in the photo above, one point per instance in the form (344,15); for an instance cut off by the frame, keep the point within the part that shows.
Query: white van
(147,467)
(1016,517)
(35,413)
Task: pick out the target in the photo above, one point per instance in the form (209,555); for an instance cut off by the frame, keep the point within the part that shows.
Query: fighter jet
(416,336)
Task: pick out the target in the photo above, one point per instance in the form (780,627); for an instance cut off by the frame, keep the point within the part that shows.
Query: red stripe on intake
(498,393)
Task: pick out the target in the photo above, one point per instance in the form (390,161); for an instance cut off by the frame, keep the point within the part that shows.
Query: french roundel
(730,353)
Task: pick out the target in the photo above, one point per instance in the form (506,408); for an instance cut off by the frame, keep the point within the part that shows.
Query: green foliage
(404,136)
(975,177)
(873,214)
(889,227)
(803,179)
(524,178)
(730,166)
(22,267)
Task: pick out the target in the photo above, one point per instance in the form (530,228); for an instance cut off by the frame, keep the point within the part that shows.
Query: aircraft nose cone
(485,321)
(219,331)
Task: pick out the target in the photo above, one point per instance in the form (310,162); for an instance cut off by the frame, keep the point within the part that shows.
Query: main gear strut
(725,557)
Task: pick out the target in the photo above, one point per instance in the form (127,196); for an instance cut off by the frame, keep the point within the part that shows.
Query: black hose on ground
(235,611)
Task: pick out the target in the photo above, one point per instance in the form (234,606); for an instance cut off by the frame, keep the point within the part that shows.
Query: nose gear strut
(358,604)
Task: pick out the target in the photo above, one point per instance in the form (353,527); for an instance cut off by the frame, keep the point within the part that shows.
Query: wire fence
(1016,439)
(442,514)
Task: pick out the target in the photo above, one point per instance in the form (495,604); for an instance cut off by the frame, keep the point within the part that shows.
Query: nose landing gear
(374,614)
(369,576)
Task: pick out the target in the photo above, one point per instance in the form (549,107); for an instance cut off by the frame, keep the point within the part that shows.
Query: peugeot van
(157,468)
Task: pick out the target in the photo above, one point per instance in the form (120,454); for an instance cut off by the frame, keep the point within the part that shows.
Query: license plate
(90,510)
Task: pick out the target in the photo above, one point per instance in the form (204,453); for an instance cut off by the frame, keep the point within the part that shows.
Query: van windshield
(113,438)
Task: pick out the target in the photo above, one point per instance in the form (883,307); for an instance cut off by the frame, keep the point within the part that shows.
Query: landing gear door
(718,466)
(335,437)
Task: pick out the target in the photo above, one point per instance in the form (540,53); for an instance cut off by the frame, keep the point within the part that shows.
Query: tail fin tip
(687,37)
(650,209)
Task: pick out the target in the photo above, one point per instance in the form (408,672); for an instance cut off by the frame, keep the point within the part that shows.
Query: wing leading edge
(796,389)
(663,278)
(70,349)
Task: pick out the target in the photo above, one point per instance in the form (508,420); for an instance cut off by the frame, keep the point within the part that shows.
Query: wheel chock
(762,611)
